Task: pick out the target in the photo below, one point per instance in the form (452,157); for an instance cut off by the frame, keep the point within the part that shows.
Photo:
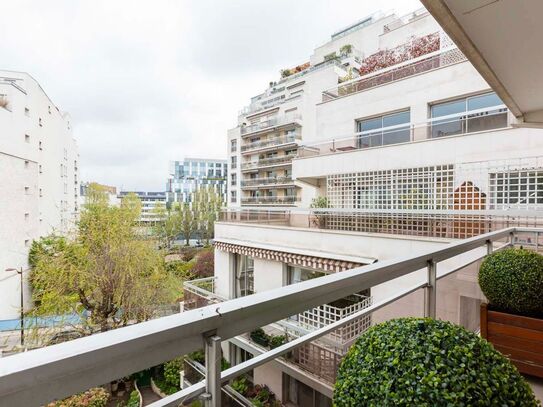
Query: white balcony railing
(472,121)
(271,123)
(267,162)
(39,376)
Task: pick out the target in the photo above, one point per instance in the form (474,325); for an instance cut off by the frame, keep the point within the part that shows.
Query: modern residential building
(149,202)
(412,151)
(189,174)
(423,200)
(39,192)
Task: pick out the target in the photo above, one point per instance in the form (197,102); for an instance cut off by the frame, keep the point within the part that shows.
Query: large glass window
(298,274)
(244,275)
(302,395)
(468,115)
(383,130)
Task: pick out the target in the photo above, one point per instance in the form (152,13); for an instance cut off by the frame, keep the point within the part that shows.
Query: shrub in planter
(260,337)
(134,400)
(95,397)
(276,341)
(512,281)
(424,362)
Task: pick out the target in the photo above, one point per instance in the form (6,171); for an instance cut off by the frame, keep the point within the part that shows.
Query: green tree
(206,204)
(106,271)
(168,225)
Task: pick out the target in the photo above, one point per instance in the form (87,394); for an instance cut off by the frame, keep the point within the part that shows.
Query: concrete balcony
(271,143)
(39,376)
(272,124)
(277,182)
(280,161)
(271,200)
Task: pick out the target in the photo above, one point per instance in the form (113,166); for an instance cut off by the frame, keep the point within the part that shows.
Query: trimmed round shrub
(425,362)
(512,281)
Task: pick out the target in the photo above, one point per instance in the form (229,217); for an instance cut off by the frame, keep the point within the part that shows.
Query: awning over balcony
(315,260)
(502,39)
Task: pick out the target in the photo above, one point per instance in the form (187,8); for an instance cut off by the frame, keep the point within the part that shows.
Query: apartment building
(189,174)
(150,201)
(39,164)
(412,150)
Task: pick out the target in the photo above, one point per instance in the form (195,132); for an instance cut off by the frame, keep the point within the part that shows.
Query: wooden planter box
(517,337)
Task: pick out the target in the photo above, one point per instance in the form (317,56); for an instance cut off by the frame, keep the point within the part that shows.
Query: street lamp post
(20,272)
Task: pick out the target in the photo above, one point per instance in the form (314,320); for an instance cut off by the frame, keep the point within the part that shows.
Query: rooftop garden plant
(414,48)
(425,362)
(95,397)
(4,103)
(512,281)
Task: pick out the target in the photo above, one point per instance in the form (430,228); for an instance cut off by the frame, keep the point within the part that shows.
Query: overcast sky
(151,81)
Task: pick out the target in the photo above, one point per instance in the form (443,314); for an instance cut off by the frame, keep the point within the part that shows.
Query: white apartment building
(39,171)
(412,153)
(150,201)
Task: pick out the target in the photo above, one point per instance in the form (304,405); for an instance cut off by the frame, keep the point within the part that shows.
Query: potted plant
(512,282)
(425,362)
(320,202)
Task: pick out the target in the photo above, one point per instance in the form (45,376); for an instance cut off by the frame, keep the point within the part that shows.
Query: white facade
(39,166)
(397,150)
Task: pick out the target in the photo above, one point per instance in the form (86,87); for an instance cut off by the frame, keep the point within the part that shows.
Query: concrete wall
(272,376)
(39,190)
(268,275)
(492,145)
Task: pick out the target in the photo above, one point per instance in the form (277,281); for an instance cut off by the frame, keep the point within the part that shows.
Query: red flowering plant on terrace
(414,48)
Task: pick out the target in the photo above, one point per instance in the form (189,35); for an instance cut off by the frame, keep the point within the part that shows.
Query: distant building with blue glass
(188,175)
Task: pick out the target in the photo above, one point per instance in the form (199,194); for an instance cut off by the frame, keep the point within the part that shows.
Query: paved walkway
(148,395)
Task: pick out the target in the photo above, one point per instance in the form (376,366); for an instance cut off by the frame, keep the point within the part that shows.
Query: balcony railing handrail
(414,212)
(267,161)
(265,181)
(391,68)
(450,118)
(40,375)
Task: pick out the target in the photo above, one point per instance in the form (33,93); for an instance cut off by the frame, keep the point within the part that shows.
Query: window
(41,193)
(27,190)
(457,118)
(244,275)
(298,274)
(234,180)
(233,196)
(233,145)
(27,216)
(27,138)
(40,122)
(384,130)
(27,112)
(49,109)
(39,169)
(301,394)
(233,161)
(40,146)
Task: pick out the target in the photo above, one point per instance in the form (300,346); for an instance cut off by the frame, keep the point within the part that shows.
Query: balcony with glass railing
(469,122)
(285,140)
(266,182)
(425,63)
(272,123)
(268,162)
(436,277)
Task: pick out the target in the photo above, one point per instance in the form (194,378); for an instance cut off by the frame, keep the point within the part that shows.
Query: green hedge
(512,281)
(424,362)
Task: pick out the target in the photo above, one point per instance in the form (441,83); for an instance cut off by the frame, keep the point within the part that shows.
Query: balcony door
(244,275)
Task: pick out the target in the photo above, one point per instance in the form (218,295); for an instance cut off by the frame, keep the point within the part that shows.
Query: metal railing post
(489,247)
(212,396)
(430,291)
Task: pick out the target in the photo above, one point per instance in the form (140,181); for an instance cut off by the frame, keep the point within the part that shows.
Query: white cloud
(148,82)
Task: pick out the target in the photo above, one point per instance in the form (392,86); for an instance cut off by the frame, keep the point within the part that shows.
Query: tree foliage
(106,273)
(205,264)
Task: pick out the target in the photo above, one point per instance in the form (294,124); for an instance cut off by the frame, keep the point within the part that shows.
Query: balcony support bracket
(213,357)
(430,291)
